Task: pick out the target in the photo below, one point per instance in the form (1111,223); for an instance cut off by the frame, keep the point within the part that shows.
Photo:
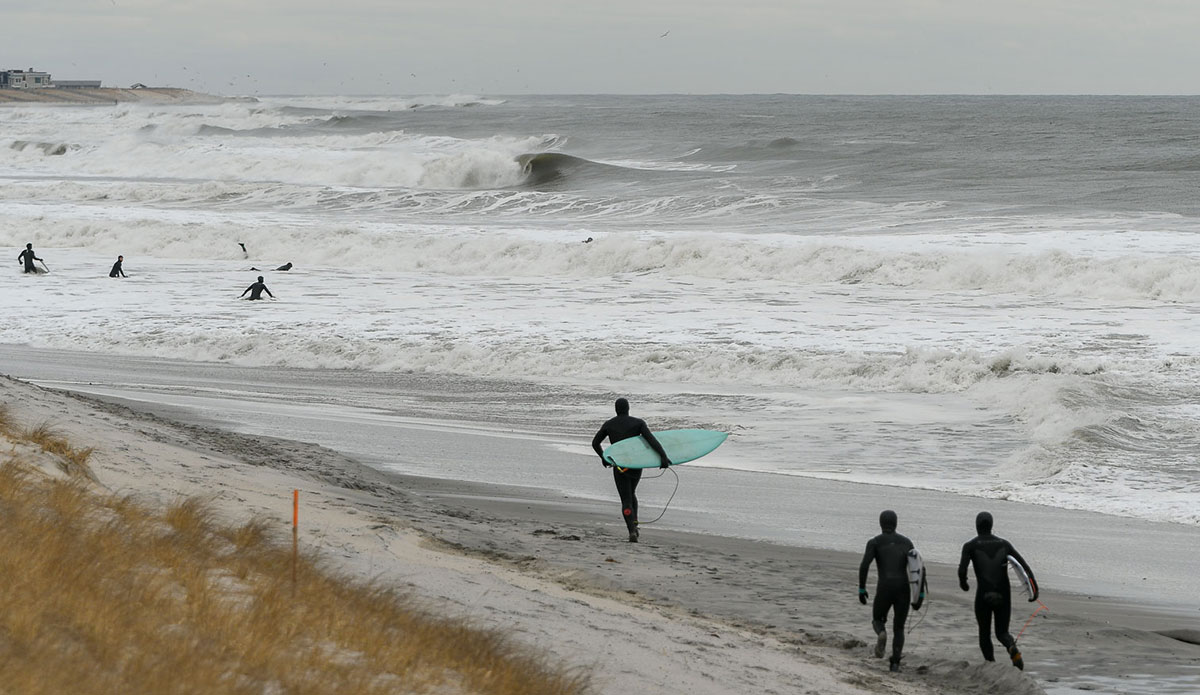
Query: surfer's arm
(864,567)
(243,294)
(649,437)
(268,292)
(962,567)
(596,441)
(1028,572)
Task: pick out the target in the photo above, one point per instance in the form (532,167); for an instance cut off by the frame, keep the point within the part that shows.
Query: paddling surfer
(625,426)
(993,597)
(889,552)
(27,256)
(256,290)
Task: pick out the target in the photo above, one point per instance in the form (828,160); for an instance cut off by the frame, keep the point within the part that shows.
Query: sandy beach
(77,96)
(678,613)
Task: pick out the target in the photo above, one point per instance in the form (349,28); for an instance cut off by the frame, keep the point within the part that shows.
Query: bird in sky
(664,34)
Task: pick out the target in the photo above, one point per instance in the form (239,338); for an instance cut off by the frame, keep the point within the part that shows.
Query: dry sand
(677,613)
(105,95)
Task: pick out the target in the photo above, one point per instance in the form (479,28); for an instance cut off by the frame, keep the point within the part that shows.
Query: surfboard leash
(1041,607)
(924,612)
(668,504)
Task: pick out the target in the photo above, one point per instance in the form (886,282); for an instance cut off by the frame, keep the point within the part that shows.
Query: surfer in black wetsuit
(625,426)
(116,269)
(285,267)
(993,597)
(28,258)
(257,289)
(889,552)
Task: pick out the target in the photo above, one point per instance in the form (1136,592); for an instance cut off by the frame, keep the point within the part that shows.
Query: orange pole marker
(295,535)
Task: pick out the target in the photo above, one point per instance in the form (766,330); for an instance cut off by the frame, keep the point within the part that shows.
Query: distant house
(77,84)
(24,79)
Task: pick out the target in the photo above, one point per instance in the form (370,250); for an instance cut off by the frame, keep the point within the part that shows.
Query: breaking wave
(1050,273)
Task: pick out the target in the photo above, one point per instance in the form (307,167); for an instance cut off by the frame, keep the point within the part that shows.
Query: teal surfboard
(681,446)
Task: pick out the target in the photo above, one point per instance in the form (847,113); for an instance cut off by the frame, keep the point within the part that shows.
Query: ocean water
(994,296)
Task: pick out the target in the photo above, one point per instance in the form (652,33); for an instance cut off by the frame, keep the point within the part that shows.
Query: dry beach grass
(102,594)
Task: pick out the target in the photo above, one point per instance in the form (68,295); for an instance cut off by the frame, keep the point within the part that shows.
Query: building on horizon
(37,79)
(24,79)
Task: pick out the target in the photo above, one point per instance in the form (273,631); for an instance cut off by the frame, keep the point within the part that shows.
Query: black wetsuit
(28,257)
(889,552)
(116,270)
(616,429)
(256,291)
(993,596)
(285,266)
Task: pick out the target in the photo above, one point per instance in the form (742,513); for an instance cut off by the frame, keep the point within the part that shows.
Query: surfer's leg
(1003,614)
(900,599)
(623,492)
(983,616)
(879,612)
(635,477)
(626,484)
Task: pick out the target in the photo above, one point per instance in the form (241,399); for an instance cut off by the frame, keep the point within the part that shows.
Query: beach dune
(678,613)
(105,95)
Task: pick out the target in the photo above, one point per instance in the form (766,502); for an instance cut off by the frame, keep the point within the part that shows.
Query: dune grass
(70,460)
(101,594)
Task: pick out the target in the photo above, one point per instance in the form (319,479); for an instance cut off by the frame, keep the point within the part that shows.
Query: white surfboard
(916,578)
(1024,580)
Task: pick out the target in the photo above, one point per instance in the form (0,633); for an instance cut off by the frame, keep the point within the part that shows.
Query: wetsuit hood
(622,406)
(887,520)
(983,523)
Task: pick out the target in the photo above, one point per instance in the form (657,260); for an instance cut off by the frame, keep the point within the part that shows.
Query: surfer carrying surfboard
(889,551)
(625,426)
(993,597)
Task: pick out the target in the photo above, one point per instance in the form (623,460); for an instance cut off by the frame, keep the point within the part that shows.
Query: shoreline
(795,598)
(438,426)
(100,96)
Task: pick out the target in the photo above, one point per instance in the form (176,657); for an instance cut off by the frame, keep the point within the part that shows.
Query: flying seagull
(664,34)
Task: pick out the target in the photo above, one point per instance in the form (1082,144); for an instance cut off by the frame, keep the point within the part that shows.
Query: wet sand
(678,612)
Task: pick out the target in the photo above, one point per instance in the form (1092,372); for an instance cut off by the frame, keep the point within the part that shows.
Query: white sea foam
(382,103)
(381,160)
(807,301)
(462,251)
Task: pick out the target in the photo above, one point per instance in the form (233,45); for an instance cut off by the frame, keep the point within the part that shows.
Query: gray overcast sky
(614,46)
